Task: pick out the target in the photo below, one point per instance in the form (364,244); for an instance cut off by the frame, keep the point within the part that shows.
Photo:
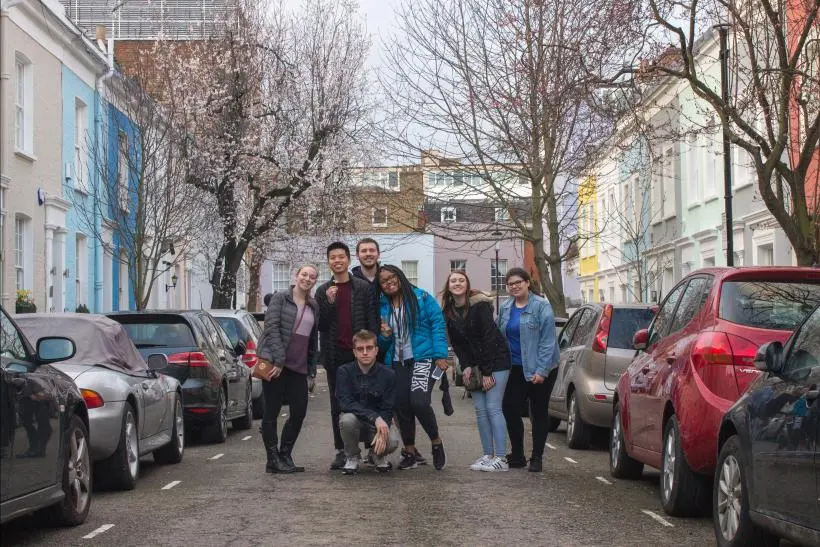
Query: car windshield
(231,328)
(774,305)
(625,323)
(160,335)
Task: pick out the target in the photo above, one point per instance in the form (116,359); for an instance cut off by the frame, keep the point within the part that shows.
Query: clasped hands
(487,382)
(379,445)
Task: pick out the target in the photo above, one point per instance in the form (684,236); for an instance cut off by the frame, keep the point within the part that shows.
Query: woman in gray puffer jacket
(290,343)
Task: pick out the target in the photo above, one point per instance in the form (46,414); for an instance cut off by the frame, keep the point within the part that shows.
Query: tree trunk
(255,273)
(223,278)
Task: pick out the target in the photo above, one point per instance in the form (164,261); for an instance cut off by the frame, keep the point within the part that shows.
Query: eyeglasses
(364,349)
(513,284)
(388,279)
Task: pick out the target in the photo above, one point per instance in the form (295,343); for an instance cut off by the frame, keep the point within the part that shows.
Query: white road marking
(603,480)
(216,457)
(551,447)
(658,518)
(170,485)
(246,438)
(570,460)
(98,531)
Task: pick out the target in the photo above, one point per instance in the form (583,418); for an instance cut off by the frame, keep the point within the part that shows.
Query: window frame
(676,324)
(498,281)
(80,130)
(458,260)
(23,104)
(278,267)
(414,280)
(373,217)
(798,336)
(122,171)
(447,212)
(571,324)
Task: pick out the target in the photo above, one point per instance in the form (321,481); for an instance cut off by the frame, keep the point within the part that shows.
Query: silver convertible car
(133,410)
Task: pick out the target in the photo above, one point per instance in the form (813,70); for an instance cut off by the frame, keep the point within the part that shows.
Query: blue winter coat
(429,338)
(539,348)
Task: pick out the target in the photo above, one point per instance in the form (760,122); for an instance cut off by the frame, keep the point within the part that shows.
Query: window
(448,214)
(612,293)
(601,295)
(22,252)
(624,324)
(411,270)
(805,353)
(379,216)
(280,276)
(693,171)
(388,180)
(709,262)
(624,294)
(497,276)
(712,173)
(458,265)
(657,190)
(691,303)
(12,344)
(81,268)
(773,305)
(501,214)
(23,105)
(80,167)
(765,254)
(590,297)
(123,282)
(122,172)
(586,326)
(393,180)
(566,333)
(665,315)
(668,184)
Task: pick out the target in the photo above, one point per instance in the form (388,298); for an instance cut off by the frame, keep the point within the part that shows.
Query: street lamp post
(723,31)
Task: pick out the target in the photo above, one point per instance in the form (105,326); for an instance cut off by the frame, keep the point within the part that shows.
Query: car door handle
(671,357)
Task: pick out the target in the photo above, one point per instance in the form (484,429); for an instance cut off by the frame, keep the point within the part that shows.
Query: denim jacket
(539,347)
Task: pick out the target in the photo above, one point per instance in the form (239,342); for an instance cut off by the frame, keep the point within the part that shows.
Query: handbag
(475,383)
(263,370)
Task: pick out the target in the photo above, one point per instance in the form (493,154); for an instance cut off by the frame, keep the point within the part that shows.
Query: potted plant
(24,302)
(82,308)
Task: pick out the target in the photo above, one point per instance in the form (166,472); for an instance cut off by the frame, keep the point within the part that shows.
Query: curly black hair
(411,305)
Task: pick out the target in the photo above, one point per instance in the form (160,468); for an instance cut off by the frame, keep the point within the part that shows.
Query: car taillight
(714,358)
(249,357)
(189,359)
(602,335)
(92,398)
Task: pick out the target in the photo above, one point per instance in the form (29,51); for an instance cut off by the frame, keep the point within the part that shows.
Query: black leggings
(519,392)
(295,386)
(414,386)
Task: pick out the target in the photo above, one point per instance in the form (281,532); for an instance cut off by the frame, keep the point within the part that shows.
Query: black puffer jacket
(476,340)
(279,320)
(365,315)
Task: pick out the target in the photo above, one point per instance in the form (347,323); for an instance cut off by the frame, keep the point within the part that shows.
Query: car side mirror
(157,361)
(769,357)
(640,340)
(239,349)
(51,349)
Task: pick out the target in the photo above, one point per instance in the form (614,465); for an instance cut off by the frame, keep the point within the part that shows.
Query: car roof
(225,313)
(790,273)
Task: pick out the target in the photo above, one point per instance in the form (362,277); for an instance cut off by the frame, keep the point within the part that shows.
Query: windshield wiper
(151,345)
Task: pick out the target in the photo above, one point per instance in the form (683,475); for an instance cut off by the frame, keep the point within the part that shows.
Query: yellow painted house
(587,230)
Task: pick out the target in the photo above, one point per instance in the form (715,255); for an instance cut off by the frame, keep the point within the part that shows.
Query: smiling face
(389,282)
(458,284)
(367,254)
(306,278)
(338,261)
(517,286)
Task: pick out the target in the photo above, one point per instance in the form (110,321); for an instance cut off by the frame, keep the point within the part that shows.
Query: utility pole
(723,30)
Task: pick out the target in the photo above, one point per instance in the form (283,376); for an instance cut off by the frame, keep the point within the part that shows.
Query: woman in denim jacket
(528,324)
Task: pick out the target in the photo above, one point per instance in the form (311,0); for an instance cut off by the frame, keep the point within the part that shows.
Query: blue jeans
(491,425)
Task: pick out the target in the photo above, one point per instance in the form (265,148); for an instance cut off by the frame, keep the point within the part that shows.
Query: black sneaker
(339,460)
(536,465)
(421,460)
(408,461)
(439,458)
(516,462)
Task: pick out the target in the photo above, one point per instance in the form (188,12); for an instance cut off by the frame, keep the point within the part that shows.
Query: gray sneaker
(351,465)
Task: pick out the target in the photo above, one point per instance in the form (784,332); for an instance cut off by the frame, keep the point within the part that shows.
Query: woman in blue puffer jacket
(414,341)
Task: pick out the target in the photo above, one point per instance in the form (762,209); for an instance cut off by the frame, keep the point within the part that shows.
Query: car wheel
(683,492)
(121,469)
(621,465)
(76,478)
(578,432)
(173,451)
(218,431)
(246,421)
(259,407)
(730,501)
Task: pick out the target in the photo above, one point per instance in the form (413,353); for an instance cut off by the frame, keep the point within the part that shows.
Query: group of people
(383,343)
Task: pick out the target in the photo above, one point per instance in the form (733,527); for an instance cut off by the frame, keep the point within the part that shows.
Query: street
(219,495)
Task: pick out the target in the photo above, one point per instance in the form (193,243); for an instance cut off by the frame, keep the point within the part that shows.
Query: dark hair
(407,295)
(448,302)
(338,245)
(520,272)
(267,298)
(363,336)
(368,240)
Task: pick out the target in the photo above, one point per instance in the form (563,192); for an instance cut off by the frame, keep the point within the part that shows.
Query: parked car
(216,384)
(695,360)
(260,318)
(240,326)
(44,457)
(596,348)
(768,472)
(132,409)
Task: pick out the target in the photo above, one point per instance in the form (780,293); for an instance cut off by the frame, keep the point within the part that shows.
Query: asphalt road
(220,495)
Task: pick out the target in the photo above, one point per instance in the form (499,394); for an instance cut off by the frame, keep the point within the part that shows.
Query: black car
(767,482)
(216,384)
(240,326)
(44,449)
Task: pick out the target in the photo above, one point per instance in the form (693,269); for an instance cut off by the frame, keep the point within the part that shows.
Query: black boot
(285,457)
(275,463)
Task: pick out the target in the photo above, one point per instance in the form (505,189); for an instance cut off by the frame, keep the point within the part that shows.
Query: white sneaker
(351,465)
(495,465)
(479,463)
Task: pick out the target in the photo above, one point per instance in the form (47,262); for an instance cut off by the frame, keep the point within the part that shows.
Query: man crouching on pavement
(366,392)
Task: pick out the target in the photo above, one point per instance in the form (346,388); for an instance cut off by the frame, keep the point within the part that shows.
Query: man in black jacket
(346,305)
(366,390)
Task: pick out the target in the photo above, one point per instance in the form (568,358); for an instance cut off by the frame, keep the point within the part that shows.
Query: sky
(380,18)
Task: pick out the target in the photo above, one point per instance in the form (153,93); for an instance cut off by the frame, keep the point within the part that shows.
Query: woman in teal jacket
(528,324)
(414,341)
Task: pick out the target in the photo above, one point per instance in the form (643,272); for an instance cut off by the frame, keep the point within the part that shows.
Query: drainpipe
(100,149)
(5,6)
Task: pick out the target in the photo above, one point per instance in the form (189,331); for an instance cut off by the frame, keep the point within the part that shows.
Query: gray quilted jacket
(279,320)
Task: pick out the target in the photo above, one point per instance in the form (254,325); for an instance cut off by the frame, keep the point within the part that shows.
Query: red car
(693,362)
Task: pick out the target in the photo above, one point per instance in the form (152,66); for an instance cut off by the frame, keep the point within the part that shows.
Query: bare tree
(507,87)
(147,210)
(772,111)
(271,105)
